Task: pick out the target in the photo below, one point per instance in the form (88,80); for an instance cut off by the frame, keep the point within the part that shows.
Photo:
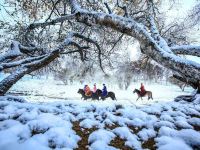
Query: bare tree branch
(158,51)
(52,22)
(108,8)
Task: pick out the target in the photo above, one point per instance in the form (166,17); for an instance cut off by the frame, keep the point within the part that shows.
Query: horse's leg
(138,98)
(151,96)
(112,97)
(97,97)
(148,96)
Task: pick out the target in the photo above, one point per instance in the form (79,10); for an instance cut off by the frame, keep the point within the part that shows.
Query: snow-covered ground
(54,117)
(66,125)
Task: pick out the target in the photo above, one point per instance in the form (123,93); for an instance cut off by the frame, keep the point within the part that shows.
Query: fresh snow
(45,113)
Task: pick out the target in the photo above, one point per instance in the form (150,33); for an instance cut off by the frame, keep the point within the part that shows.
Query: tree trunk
(198,88)
(9,81)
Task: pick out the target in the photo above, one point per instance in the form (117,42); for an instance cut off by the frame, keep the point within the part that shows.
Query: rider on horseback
(104,91)
(94,88)
(87,90)
(142,90)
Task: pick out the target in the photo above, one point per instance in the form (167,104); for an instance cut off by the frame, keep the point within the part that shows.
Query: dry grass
(84,134)
(119,143)
(149,144)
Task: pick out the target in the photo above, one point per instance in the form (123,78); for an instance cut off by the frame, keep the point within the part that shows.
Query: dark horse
(147,93)
(110,94)
(93,96)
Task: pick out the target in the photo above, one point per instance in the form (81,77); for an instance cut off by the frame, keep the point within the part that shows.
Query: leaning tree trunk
(9,81)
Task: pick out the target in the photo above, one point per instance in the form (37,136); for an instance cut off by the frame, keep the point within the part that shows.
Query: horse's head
(136,91)
(99,92)
(80,91)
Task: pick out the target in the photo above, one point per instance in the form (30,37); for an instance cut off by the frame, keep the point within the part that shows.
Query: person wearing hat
(104,91)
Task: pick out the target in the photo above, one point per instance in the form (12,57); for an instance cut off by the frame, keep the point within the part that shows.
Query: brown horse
(147,93)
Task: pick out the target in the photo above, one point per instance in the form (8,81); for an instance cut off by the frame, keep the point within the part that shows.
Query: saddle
(104,95)
(143,93)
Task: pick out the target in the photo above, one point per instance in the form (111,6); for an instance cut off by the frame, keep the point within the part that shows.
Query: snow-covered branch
(26,50)
(153,27)
(16,50)
(20,62)
(30,64)
(12,53)
(8,82)
(89,40)
(193,50)
(158,51)
(52,22)
(108,8)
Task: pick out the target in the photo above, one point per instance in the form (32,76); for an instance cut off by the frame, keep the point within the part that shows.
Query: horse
(110,94)
(93,96)
(147,93)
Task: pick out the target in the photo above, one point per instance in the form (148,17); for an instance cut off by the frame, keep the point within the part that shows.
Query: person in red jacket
(142,90)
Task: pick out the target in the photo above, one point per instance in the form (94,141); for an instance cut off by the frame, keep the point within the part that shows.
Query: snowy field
(51,115)
(49,90)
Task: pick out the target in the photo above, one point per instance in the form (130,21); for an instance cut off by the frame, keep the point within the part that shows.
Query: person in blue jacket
(104,91)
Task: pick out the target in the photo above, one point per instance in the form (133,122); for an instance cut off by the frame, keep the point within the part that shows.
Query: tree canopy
(92,31)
